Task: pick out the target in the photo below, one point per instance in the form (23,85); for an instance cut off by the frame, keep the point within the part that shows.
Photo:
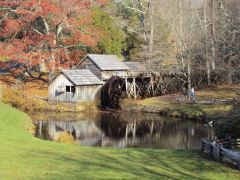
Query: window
(70,89)
(73,89)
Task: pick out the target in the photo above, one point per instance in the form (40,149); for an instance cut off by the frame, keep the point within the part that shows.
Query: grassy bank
(32,96)
(21,99)
(25,157)
(167,105)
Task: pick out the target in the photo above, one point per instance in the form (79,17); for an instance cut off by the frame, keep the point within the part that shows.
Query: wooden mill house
(83,82)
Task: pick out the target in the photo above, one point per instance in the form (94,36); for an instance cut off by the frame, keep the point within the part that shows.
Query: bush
(65,138)
(20,99)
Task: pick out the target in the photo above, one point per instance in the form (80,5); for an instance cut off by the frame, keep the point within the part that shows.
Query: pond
(118,129)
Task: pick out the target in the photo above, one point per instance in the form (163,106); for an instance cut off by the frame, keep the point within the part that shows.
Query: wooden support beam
(134,88)
(127,88)
(152,86)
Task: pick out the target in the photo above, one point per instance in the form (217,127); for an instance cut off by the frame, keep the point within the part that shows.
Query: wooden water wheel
(112,92)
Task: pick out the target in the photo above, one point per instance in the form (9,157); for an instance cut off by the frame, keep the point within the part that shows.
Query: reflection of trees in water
(64,116)
(51,130)
(126,129)
(118,125)
(152,131)
(41,131)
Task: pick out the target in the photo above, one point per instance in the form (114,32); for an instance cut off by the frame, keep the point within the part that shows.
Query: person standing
(193,95)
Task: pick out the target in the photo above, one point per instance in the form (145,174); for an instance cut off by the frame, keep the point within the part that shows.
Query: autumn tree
(51,32)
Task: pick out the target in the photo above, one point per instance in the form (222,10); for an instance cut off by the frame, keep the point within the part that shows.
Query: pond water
(118,129)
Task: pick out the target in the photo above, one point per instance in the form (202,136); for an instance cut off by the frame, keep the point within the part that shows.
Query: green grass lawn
(24,157)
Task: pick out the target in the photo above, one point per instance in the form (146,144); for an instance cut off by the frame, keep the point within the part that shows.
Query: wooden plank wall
(88,64)
(103,75)
(88,93)
(82,93)
(59,83)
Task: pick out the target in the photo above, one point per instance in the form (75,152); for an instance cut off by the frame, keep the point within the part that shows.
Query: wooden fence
(223,150)
(186,100)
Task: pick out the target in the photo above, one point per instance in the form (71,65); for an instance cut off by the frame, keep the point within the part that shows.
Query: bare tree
(145,11)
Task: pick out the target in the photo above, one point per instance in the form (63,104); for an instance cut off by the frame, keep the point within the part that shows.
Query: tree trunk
(181,35)
(151,35)
(206,42)
(145,46)
(189,74)
(213,34)
(230,71)
(58,32)
(46,25)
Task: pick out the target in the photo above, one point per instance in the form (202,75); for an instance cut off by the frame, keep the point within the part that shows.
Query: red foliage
(29,31)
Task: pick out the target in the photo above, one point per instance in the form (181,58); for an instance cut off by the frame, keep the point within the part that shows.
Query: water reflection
(123,130)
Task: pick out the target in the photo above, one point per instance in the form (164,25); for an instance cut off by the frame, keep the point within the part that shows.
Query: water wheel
(112,92)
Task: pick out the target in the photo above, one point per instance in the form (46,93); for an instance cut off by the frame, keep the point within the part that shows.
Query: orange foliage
(27,42)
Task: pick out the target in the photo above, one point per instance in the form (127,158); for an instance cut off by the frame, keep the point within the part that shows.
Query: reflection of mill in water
(113,130)
(86,131)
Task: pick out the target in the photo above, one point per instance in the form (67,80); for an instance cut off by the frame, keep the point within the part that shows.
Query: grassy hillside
(25,157)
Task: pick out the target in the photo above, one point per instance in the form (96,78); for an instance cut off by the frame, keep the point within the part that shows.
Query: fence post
(211,152)
(238,165)
(229,140)
(202,146)
(220,152)
(217,152)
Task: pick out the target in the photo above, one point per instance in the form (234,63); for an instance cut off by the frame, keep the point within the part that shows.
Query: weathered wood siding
(88,64)
(59,84)
(88,93)
(102,75)
(108,74)
(82,93)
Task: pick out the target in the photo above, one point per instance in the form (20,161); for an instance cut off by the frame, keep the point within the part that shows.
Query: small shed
(103,66)
(77,85)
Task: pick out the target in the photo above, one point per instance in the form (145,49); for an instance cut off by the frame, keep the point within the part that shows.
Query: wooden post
(202,146)
(126,85)
(134,88)
(152,85)
(229,140)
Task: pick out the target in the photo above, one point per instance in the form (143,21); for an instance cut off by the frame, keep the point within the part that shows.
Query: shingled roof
(136,66)
(107,62)
(81,77)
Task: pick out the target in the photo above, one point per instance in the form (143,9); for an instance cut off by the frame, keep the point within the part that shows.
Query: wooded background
(198,39)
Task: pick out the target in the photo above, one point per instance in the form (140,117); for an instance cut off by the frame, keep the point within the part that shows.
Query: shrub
(65,138)
(20,99)
(27,102)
